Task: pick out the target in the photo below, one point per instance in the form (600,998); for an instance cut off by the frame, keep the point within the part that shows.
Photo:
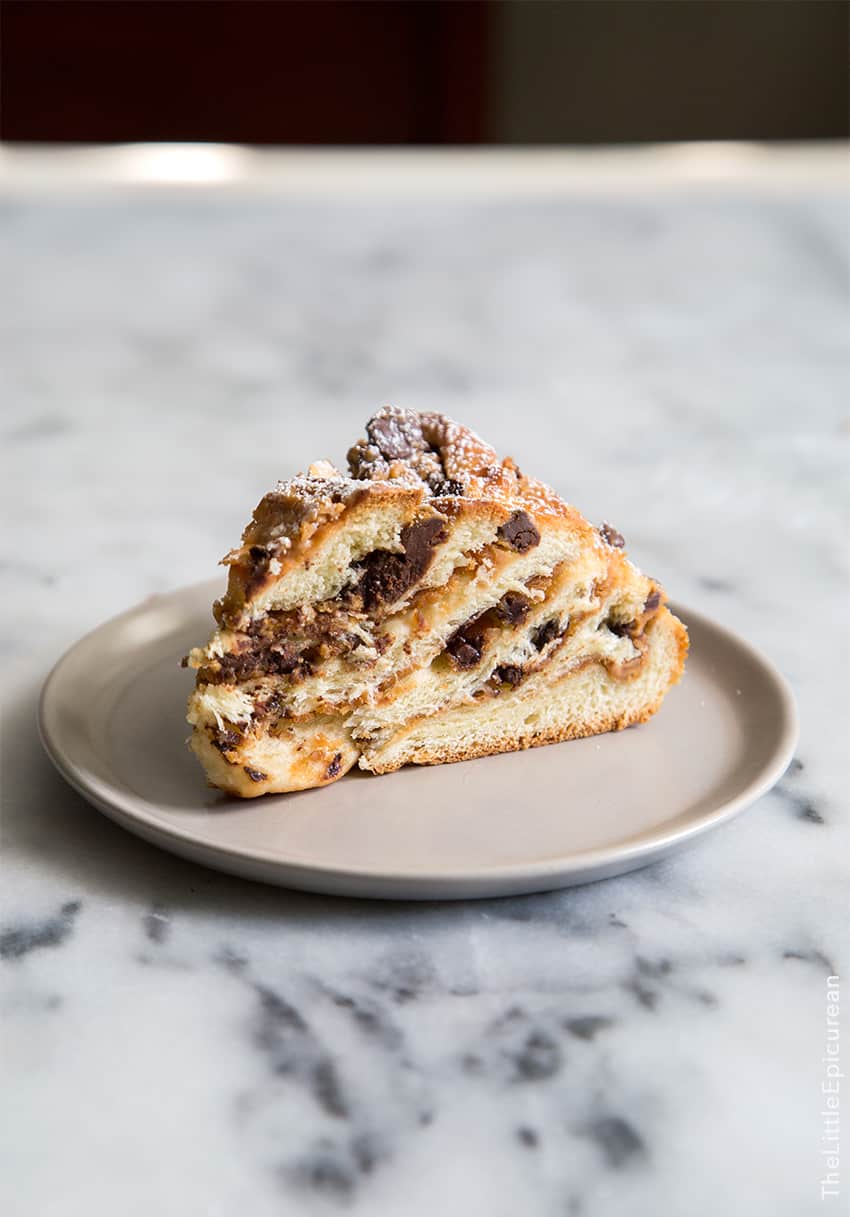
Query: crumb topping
(447,459)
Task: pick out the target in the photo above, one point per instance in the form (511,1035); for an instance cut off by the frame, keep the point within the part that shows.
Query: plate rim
(129,810)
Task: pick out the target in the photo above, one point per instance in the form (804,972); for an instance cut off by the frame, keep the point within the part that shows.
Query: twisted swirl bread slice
(435,605)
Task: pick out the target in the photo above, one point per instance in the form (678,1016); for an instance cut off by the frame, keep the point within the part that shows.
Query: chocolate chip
(387,576)
(256,775)
(447,486)
(391,436)
(509,674)
(334,767)
(608,533)
(270,706)
(418,538)
(513,607)
(464,653)
(652,601)
(226,739)
(466,644)
(545,633)
(256,660)
(621,629)
(520,532)
(258,571)
(281,660)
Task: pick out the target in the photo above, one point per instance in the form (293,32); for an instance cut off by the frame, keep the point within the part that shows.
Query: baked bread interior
(433,604)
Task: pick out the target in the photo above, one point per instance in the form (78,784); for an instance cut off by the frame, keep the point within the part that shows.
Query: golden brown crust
(294,760)
(448,755)
(294,520)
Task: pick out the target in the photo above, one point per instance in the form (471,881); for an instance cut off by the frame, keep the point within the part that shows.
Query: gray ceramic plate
(112,721)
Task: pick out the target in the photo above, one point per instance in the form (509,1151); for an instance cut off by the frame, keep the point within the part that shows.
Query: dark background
(423,71)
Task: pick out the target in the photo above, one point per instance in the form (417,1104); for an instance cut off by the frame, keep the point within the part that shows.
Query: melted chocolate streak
(383,578)
(466,645)
(387,576)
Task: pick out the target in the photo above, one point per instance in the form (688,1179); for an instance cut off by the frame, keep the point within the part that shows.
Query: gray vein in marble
(156,926)
(18,940)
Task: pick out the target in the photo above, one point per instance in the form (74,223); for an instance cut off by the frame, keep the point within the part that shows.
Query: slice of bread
(435,605)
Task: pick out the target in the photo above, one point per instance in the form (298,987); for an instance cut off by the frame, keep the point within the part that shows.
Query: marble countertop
(673,358)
